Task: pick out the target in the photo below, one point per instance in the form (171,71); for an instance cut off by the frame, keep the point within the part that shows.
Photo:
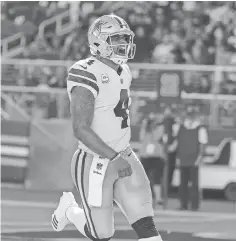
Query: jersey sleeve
(80,76)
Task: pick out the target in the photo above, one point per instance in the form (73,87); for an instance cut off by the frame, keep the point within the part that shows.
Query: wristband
(116,157)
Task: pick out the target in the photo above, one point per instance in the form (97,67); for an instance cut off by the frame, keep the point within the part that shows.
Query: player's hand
(123,167)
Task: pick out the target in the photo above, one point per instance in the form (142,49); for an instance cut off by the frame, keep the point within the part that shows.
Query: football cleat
(59,219)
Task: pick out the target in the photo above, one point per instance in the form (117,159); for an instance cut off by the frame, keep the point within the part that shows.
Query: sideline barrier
(29,158)
(49,168)
(15,151)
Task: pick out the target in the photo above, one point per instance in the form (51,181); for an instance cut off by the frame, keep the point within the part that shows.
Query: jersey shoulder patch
(81,74)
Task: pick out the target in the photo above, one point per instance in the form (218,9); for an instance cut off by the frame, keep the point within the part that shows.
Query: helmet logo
(97,28)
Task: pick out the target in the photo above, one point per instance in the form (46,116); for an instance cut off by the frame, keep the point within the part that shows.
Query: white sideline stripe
(41,229)
(15,229)
(15,139)
(13,186)
(28,204)
(13,162)
(49,228)
(179,214)
(15,150)
(215,235)
(19,224)
(119,226)
(195,214)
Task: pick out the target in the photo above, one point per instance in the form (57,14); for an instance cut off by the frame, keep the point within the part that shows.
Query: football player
(105,168)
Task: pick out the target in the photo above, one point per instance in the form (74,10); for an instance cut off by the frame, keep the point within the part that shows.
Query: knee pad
(145,228)
(89,235)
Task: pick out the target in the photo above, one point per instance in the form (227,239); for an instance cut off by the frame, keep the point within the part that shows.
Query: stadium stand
(166,32)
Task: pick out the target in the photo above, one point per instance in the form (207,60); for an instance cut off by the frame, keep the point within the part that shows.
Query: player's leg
(67,203)
(147,165)
(134,197)
(96,220)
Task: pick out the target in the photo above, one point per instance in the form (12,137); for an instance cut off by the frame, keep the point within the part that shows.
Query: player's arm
(82,111)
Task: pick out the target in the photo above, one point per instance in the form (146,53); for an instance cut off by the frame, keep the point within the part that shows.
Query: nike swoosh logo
(85,67)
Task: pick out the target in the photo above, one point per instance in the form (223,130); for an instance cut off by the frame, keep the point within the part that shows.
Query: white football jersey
(111,90)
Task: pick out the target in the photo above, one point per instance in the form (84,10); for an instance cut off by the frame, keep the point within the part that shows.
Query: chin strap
(119,61)
(115,60)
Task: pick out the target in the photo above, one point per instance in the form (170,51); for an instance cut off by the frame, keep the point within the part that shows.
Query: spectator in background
(163,52)
(75,46)
(42,99)
(170,142)
(30,78)
(176,31)
(199,52)
(58,77)
(205,84)
(56,44)
(39,49)
(143,49)
(192,138)
(152,155)
(52,107)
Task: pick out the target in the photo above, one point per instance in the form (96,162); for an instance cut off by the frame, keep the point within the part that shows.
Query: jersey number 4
(121,109)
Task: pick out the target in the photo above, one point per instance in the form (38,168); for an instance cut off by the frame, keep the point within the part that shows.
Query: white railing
(151,70)
(148,66)
(215,102)
(10,51)
(143,75)
(61,28)
(146,94)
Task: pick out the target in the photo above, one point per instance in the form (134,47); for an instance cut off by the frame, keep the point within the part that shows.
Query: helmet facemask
(122,47)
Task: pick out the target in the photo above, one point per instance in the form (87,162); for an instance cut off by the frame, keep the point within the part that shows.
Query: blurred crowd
(169,32)
(166,32)
(27,16)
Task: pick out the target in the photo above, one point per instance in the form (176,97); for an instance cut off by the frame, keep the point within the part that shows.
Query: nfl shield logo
(105,78)
(99,166)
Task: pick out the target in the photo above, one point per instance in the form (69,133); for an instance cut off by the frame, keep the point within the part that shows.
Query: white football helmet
(110,37)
